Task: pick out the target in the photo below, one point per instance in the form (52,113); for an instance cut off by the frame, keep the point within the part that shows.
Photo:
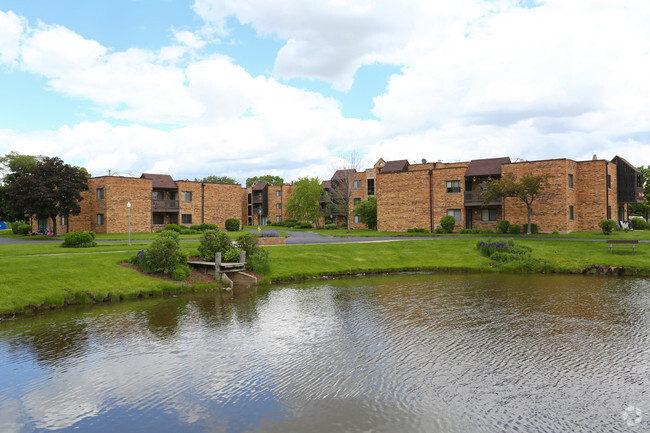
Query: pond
(402,353)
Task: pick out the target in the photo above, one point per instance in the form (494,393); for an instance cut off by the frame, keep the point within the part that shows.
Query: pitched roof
(395,166)
(260,186)
(343,174)
(160,181)
(624,161)
(486,167)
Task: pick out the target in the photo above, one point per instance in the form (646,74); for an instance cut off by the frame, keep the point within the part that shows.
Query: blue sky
(287,87)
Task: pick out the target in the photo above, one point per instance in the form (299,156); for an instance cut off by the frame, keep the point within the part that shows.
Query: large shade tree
(304,203)
(50,189)
(340,194)
(367,210)
(12,166)
(526,189)
(269,178)
(217,179)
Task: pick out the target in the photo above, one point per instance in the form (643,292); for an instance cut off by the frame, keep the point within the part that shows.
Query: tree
(643,209)
(272,180)
(526,189)
(304,203)
(367,210)
(52,188)
(341,191)
(13,165)
(217,179)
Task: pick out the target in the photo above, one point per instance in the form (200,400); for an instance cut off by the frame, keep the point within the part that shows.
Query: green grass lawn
(45,274)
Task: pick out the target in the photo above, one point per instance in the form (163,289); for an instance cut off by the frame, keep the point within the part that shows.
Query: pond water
(405,353)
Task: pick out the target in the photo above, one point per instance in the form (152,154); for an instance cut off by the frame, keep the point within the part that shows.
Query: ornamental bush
(503,226)
(207,226)
(639,224)
(212,242)
(448,223)
(232,224)
(230,256)
(330,226)
(257,259)
(23,229)
(533,229)
(304,226)
(173,227)
(165,253)
(514,229)
(607,226)
(78,240)
(417,230)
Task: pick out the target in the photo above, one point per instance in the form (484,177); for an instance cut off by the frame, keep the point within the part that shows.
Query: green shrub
(487,232)
(173,227)
(259,262)
(503,226)
(417,230)
(165,252)
(639,224)
(208,226)
(23,229)
(448,223)
(212,242)
(607,226)
(230,256)
(232,224)
(440,231)
(186,231)
(330,227)
(78,240)
(181,272)
(92,233)
(533,229)
(195,227)
(142,261)
(304,226)
(468,231)
(514,229)
(247,243)
(14,227)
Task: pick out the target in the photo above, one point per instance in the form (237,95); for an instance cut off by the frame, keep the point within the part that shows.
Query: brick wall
(222,201)
(443,201)
(402,200)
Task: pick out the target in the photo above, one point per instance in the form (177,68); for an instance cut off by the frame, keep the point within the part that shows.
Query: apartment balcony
(473,198)
(165,206)
(630,194)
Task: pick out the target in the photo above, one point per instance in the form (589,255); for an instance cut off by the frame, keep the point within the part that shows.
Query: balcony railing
(165,205)
(473,198)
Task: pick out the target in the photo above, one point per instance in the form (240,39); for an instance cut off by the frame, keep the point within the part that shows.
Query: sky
(292,88)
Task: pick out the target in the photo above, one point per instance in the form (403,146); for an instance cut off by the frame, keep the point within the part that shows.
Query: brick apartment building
(156,200)
(581,193)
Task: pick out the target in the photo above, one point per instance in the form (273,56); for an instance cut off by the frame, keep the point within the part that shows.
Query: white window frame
(100,220)
(456,213)
(186,196)
(486,215)
(453,187)
(356,184)
(100,194)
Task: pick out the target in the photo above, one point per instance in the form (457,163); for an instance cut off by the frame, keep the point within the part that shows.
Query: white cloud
(11,31)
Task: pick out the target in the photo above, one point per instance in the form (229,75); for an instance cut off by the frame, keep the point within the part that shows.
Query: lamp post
(128,206)
(259,220)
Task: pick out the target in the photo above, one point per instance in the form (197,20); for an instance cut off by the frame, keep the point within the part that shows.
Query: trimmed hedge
(417,230)
(174,227)
(503,226)
(448,223)
(514,229)
(607,226)
(79,240)
(232,224)
(533,229)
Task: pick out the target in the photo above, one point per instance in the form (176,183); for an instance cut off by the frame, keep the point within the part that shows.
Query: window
(186,196)
(455,213)
(356,201)
(609,182)
(609,212)
(488,214)
(158,219)
(278,219)
(278,205)
(158,195)
(570,181)
(173,195)
(453,186)
(64,220)
(570,213)
(173,218)
(186,218)
(278,193)
(100,193)
(371,186)
(100,219)
(356,184)
(357,219)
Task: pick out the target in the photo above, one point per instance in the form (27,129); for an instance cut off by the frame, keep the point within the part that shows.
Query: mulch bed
(195,277)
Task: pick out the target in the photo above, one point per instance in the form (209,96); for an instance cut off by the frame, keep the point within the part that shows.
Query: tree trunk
(54,225)
(529,228)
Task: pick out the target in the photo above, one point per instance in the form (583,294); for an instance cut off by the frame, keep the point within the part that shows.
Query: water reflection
(400,353)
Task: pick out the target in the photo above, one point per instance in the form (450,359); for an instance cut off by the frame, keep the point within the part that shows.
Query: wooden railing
(165,205)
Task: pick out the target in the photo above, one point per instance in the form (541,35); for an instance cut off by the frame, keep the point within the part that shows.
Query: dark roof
(395,166)
(260,186)
(486,167)
(624,161)
(343,174)
(160,181)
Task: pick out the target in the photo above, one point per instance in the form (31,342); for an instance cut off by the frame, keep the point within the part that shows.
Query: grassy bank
(44,274)
(456,255)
